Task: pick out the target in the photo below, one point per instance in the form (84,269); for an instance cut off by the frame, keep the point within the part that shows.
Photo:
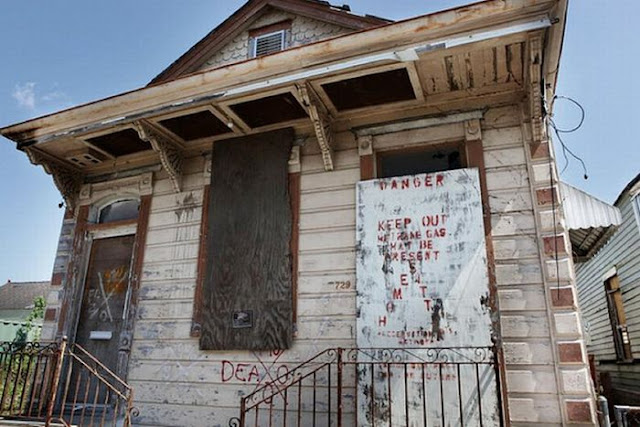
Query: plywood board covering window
(618,319)
(247,291)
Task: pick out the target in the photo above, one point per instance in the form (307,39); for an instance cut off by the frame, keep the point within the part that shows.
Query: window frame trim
(254,46)
(615,306)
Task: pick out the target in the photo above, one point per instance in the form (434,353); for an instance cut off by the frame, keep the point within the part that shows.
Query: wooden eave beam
(169,149)
(536,91)
(67,178)
(321,119)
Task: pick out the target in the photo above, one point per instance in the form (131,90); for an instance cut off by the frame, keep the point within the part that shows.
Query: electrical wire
(566,151)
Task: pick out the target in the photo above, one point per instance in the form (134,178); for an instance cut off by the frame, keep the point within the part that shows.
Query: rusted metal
(56,380)
(383,383)
(64,380)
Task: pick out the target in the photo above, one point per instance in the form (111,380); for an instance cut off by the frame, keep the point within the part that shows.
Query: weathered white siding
(621,252)
(177,384)
(303,31)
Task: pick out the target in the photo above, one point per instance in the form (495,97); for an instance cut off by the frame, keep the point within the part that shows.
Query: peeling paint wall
(177,384)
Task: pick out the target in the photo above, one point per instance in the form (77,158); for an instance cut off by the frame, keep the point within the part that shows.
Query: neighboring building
(16,303)
(306,179)
(609,295)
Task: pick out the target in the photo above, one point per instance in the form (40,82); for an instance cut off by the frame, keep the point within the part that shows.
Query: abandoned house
(314,217)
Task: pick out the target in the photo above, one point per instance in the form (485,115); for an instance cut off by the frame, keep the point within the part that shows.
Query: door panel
(106,285)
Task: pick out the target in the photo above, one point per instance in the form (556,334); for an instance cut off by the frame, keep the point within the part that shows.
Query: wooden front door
(106,292)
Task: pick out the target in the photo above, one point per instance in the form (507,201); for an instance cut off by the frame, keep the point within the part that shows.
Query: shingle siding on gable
(303,31)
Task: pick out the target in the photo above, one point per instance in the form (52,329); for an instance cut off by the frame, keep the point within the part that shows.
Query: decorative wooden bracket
(168,148)
(472,130)
(321,119)
(294,159)
(538,128)
(68,179)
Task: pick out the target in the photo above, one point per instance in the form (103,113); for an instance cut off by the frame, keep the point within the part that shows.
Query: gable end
(230,31)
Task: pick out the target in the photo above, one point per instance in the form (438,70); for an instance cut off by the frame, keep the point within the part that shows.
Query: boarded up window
(618,319)
(247,291)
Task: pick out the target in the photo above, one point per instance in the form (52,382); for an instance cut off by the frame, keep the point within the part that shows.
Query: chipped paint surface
(422,276)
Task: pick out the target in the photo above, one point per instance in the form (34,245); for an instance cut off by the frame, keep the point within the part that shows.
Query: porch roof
(590,221)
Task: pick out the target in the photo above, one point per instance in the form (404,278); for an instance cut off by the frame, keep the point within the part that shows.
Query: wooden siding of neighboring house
(621,252)
(178,384)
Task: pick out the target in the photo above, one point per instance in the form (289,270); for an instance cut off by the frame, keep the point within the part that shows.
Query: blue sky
(56,54)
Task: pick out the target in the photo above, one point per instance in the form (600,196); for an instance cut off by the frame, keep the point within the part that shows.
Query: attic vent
(85,157)
(268,43)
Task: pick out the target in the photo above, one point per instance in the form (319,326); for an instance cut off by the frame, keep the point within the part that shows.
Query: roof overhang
(427,33)
(456,60)
(590,221)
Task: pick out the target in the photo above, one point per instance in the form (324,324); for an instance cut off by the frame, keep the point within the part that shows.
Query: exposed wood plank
(198,301)
(294,243)
(73,271)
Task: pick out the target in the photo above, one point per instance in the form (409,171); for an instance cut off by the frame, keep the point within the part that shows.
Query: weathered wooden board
(248,291)
(104,297)
(422,281)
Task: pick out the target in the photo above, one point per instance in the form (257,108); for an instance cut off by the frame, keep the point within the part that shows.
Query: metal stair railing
(57,382)
(378,386)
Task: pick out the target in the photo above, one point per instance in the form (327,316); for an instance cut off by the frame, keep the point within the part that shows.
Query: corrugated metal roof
(582,210)
(590,220)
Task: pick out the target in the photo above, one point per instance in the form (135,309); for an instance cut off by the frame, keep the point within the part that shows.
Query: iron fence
(56,382)
(381,387)
(26,378)
(627,416)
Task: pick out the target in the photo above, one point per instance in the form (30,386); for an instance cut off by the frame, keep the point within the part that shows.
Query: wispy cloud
(30,98)
(25,94)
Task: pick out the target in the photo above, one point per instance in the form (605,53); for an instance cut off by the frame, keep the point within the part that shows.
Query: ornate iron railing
(54,382)
(27,378)
(376,386)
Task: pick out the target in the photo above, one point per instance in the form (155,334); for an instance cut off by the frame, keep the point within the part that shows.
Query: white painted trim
(254,45)
(420,123)
(103,193)
(609,274)
(116,231)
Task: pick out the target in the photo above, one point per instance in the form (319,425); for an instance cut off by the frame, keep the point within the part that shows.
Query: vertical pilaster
(576,395)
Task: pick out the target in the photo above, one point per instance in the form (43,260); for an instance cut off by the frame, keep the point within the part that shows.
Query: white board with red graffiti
(422,283)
